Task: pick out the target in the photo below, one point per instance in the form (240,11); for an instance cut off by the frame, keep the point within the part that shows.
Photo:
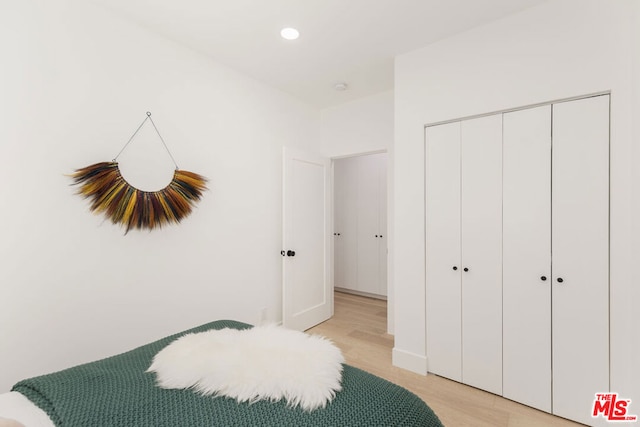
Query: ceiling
(351,41)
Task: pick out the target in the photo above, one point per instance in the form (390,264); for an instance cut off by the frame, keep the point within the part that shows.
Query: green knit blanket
(117,392)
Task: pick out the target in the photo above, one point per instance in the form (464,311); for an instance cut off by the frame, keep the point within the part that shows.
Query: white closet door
(346,211)
(368,240)
(382,223)
(442,183)
(580,230)
(481,252)
(339,190)
(527,257)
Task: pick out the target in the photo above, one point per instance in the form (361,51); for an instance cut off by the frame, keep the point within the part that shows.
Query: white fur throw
(264,362)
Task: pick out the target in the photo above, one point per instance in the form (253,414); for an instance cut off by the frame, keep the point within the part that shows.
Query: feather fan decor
(110,194)
(123,204)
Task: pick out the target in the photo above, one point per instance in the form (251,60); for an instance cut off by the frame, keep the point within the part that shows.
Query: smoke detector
(341,86)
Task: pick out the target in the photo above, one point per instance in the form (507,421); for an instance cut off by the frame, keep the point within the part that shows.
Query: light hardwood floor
(359,327)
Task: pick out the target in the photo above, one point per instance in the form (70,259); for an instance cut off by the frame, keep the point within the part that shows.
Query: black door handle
(560,280)
(465,269)
(291,253)
(543,278)
(455,268)
(282,253)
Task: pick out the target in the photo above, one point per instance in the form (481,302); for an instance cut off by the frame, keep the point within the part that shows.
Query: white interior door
(527,256)
(442,183)
(580,230)
(307,284)
(481,232)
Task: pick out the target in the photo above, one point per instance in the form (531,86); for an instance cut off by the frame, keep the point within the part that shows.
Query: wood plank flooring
(359,327)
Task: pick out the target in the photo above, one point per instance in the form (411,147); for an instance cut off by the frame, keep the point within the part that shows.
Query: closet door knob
(291,253)
(455,268)
(338,234)
(381,236)
(560,280)
(543,278)
(465,269)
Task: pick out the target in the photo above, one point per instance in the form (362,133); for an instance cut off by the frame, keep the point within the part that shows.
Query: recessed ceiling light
(289,33)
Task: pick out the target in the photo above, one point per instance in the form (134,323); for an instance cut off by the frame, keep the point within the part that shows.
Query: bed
(118,392)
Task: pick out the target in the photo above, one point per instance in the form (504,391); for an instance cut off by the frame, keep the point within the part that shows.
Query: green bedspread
(117,392)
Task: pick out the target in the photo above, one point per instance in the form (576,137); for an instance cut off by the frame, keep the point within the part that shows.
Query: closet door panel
(527,257)
(481,191)
(368,208)
(339,172)
(382,222)
(346,223)
(442,184)
(580,230)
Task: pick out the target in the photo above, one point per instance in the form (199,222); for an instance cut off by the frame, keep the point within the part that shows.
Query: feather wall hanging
(110,194)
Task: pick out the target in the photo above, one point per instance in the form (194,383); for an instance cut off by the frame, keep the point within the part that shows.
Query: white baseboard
(409,361)
(360,293)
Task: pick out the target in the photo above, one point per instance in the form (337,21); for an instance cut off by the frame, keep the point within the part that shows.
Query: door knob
(381,236)
(543,278)
(291,253)
(376,235)
(455,268)
(465,269)
(282,253)
(560,280)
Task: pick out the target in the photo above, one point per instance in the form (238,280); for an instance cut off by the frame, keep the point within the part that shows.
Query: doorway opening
(360,224)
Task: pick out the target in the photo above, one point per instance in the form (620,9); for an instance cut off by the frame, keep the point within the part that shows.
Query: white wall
(359,126)
(75,83)
(562,48)
(364,126)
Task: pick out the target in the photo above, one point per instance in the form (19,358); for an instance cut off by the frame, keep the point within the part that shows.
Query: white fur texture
(264,362)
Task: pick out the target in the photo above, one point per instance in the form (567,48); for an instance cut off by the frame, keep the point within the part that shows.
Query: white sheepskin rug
(264,362)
